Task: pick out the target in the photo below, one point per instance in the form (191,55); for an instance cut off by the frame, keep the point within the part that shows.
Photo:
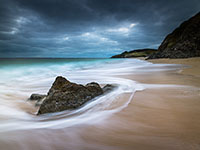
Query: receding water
(19,78)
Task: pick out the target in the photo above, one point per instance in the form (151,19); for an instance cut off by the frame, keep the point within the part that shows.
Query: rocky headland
(135,53)
(65,95)
(183,42)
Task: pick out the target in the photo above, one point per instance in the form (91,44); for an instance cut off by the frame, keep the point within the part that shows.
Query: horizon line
(53,57)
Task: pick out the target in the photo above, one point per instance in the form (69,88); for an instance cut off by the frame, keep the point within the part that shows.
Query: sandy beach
(158,118)
(171,113)
(192,64)
(164,118)
(167,118)
(166,115)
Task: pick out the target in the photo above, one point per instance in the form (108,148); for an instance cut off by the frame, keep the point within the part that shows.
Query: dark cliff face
(183,42)
(135,53)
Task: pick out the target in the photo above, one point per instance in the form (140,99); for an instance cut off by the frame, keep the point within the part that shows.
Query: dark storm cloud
(87,28)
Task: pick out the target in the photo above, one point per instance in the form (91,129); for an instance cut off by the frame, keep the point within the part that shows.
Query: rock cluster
(65,95)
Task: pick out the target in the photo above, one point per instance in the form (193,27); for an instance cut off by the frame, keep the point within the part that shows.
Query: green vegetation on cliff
(183,42)
(135,53)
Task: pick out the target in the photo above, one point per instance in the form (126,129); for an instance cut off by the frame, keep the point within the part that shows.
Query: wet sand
(166,118)
(192,63)
(158,118)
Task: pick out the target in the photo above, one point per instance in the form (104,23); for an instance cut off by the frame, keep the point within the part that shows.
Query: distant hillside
(183,42)
(135,53)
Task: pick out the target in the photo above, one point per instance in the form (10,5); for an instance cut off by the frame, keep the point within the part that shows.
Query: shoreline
(158,117)
(170,115)
(192,63)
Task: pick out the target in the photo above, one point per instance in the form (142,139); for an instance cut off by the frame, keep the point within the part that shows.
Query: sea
(21,77)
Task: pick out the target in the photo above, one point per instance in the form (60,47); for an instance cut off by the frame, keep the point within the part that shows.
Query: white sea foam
(18,82)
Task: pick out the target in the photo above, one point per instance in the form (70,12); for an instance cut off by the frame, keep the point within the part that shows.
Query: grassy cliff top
(135,53)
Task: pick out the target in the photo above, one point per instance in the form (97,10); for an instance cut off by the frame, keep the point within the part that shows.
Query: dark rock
(94,88)
(58,84)
(183,42)
(65,95)
(108,88)
(135,53)
(36,97)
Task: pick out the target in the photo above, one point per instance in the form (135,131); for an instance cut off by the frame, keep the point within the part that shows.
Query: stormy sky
(87,28)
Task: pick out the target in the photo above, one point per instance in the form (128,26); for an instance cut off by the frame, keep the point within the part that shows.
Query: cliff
(135,53)
(183,42)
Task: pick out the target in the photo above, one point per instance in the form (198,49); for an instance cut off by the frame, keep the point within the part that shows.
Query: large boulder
(183,42)
(65,95)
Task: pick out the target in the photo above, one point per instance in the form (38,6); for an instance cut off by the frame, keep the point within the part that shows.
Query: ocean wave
(18,82)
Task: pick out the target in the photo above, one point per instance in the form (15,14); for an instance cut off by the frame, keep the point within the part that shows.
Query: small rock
(36,97)
(108,88)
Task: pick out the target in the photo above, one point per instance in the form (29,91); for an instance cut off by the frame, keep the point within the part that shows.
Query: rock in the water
(36,97)
(183,42)
(65,95)
(108,88)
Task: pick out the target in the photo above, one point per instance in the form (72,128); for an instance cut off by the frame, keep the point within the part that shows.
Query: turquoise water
(17,62)
(78,70)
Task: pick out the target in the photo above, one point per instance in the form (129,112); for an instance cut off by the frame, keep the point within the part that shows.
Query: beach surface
(192,63)
(159,117)
(165,115)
